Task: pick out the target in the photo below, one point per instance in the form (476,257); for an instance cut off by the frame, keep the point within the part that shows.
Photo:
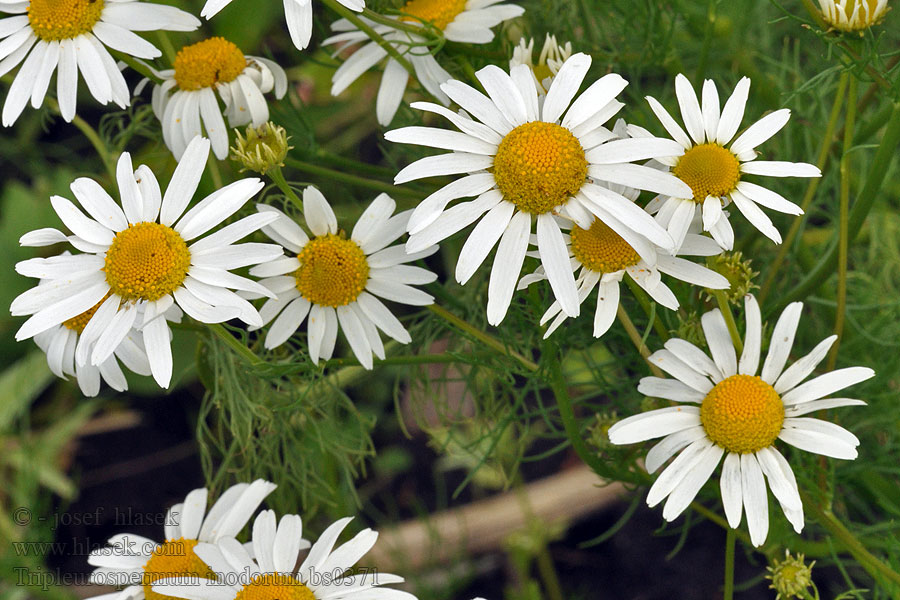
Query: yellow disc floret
(146,262)
(742,414)
(539,166)
(207,63)
(175,558)
(275,586)
(54,20)
(78,323)
(333,271)
(439,13)
(710,170)
(601,249)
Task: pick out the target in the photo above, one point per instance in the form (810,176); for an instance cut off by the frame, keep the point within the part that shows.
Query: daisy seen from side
(298,14)
(551,58)
(529,161)
(853,15)
(137,562)
(724,408)
(68,37)
(465,21)
(186,101)
(715,162)
(333,281)
(271,573)
(136,260)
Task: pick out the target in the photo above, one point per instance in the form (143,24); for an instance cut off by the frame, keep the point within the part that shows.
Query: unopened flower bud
(262,148)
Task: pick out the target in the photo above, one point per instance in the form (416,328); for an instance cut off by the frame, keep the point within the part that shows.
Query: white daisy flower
(59,343)
(136,260)
(527,161)
(271,573)
(715,173)
(185,102)
(466,21)
(137,562)
(740,415)
(601,258)
(853,15)
(73,36)
(550,60)
(337,281)
(297,13)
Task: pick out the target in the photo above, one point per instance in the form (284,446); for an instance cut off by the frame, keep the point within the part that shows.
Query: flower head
(71,37)
(137,562)
(140,258)
(853,15)
(466,21)
(790,577)
(528,161)
(272,574)
(185,102)
(715,164)
(262,149)
(549,61)
(336,280)
(726,406)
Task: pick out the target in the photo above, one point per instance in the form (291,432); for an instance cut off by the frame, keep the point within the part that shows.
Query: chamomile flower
(466,21)
(272,572)
(137,562)
(740,415)
(185,102)
(297,13)
(72,36)
(601,259)
(526,161)
(337,280)
(853,15)
(59,344)
(550,60)
(716,173)
(136,261)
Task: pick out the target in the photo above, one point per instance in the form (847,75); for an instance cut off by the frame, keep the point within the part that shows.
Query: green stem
(570,422)
(864,202)
(548,574)
(373,35)
(353,179)
(138,66)
(868,561)
(635,337)
(811,188)
(645,302)
(168,48)
(93,137)
(214,171)
(843,247)
(481,336)
(814,12)
(278,177)
(240,349)
(394,23)
(725,307)
(728,593)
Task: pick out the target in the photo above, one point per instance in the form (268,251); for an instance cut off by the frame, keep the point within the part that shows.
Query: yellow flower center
(207,63)
(710,170)
(539,166)
(174,558)
(742,414)
(146,262)
(439,13)
(275,586)
(333,271)
(601,249)
(54,20)
(77,324)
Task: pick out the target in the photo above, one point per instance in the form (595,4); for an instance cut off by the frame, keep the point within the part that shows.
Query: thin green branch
(373,35)
(843,245)
(725,307)
(811,189)
(728,592)
(365,182)
(277,176)
(635,336)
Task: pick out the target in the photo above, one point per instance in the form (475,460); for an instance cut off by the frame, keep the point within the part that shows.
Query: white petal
(690,108)
(654,424)
(564,87)
(761,131)
(482,240)
(753,488)
(777,168)
(508,265)
(733,112)
(731,488)
(719,341)
(801,369)
(671,445)
(781,342)
(675,473)
(749,362)
(184,181)
(668,389)
(826,384)
(693,480)
(555,259)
